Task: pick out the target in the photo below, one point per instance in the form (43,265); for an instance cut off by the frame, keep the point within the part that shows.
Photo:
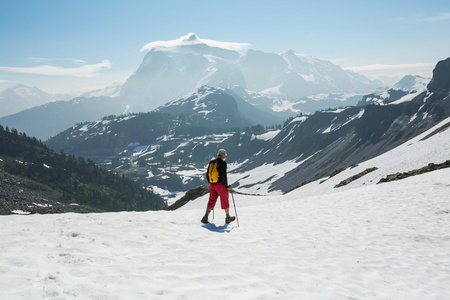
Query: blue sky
(82,45)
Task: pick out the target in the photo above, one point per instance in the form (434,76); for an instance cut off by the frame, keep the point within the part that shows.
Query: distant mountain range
(169,151)
(50,119)
(282,85)
(20,97)
(205,117)
(406,89)
(249,108)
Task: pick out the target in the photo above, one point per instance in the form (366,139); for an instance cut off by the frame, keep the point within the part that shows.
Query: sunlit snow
(361,241)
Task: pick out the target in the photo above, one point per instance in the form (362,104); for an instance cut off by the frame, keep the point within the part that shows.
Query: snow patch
(268,135)
(406,98)
(299,119)
(20,212)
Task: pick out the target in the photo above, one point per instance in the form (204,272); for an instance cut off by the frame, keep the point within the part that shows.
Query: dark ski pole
(235,211)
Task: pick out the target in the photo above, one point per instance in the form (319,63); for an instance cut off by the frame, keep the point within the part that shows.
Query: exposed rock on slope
(429,168)
(189,196)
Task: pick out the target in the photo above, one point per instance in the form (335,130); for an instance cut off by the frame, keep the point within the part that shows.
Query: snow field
(360,241)
(414,154)
(386,241)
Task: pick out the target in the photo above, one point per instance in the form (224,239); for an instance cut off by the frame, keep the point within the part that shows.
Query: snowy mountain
(285,107)
(406,89)
(218,108)
(180,134)
(412,83)
(20,97)
(172,69)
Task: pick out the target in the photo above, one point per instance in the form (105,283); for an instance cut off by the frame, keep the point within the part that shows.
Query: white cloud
(391,67)
(421,18)
(398,70)
(192,39)
(412,18)
(57,60)
(84,70)
(3,81)
(440,17)
(338,61)
(77,61)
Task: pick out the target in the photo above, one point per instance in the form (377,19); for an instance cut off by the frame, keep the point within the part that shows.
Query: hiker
(218,186)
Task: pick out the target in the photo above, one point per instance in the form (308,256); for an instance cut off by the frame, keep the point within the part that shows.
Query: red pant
(216,190)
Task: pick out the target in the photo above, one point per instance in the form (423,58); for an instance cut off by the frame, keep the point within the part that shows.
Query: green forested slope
(76,179)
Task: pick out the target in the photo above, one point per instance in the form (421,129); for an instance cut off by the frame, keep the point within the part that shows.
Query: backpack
(213,171)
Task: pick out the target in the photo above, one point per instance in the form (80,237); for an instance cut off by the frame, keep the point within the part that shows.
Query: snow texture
(268,135)
(361,241)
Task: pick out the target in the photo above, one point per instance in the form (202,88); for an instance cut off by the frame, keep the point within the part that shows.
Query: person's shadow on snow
(212,227)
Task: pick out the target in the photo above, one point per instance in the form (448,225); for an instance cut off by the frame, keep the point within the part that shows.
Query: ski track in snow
(387,241)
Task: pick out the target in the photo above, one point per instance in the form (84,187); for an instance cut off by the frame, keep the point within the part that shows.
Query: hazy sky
(78,45)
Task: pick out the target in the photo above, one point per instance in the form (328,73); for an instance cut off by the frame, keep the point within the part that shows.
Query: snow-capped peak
(195,96)
(24,91)
(192,39)
(412,83)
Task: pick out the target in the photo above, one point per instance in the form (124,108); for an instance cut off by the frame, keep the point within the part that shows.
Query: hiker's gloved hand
(229,188)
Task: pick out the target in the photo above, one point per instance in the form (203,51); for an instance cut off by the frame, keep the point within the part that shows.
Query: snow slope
(414,154)
(411,155)
(362,241)
(374,242)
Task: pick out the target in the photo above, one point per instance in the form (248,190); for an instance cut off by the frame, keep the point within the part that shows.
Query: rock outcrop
(189,196)
(441,76)
(430,167)
(357,176)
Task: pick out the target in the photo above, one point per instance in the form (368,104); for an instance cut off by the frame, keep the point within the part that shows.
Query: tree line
(77,179)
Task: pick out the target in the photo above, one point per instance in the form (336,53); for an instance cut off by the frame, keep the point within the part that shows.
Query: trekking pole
(237,220)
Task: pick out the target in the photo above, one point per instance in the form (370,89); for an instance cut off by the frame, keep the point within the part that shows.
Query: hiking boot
(204,220)
(228,220)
